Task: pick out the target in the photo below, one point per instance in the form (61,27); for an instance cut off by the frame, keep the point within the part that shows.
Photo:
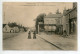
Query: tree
(12,24)
(40,18)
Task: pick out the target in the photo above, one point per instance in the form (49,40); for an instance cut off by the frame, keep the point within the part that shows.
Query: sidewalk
(64,43)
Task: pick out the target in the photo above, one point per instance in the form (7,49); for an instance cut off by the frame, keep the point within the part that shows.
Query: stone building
(52,22)
(70,18)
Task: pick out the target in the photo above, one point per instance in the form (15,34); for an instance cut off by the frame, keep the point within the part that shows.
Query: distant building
(16,29)
(21,29)
(51,21)
(8,29)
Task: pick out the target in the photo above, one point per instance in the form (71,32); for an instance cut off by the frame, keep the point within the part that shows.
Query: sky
(25,12)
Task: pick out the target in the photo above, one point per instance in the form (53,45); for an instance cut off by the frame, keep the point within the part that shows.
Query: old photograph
(39,26)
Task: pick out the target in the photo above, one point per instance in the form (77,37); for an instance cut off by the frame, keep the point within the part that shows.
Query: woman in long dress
(34,35)
(29,35)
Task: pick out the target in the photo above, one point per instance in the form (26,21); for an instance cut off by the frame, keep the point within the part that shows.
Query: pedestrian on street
(65,33)
(34,35)
(29,35)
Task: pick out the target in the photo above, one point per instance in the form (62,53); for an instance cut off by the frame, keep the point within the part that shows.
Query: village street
(52,27)
(21,42)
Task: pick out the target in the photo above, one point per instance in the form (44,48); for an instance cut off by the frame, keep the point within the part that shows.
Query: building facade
(52,21)
(70,16)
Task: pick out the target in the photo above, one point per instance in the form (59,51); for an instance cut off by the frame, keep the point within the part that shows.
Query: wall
(50,20)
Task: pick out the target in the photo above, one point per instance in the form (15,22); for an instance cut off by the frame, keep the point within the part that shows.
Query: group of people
(29,35)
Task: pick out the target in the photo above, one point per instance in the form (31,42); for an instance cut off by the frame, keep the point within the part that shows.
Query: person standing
(29,35)
(34,35)
(65,33)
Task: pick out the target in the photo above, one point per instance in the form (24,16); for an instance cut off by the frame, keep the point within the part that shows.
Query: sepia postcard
(39,26)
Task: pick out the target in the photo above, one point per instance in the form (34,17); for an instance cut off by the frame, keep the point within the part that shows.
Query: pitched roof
(53,16)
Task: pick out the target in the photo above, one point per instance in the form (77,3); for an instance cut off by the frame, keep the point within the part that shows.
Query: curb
(52,43)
